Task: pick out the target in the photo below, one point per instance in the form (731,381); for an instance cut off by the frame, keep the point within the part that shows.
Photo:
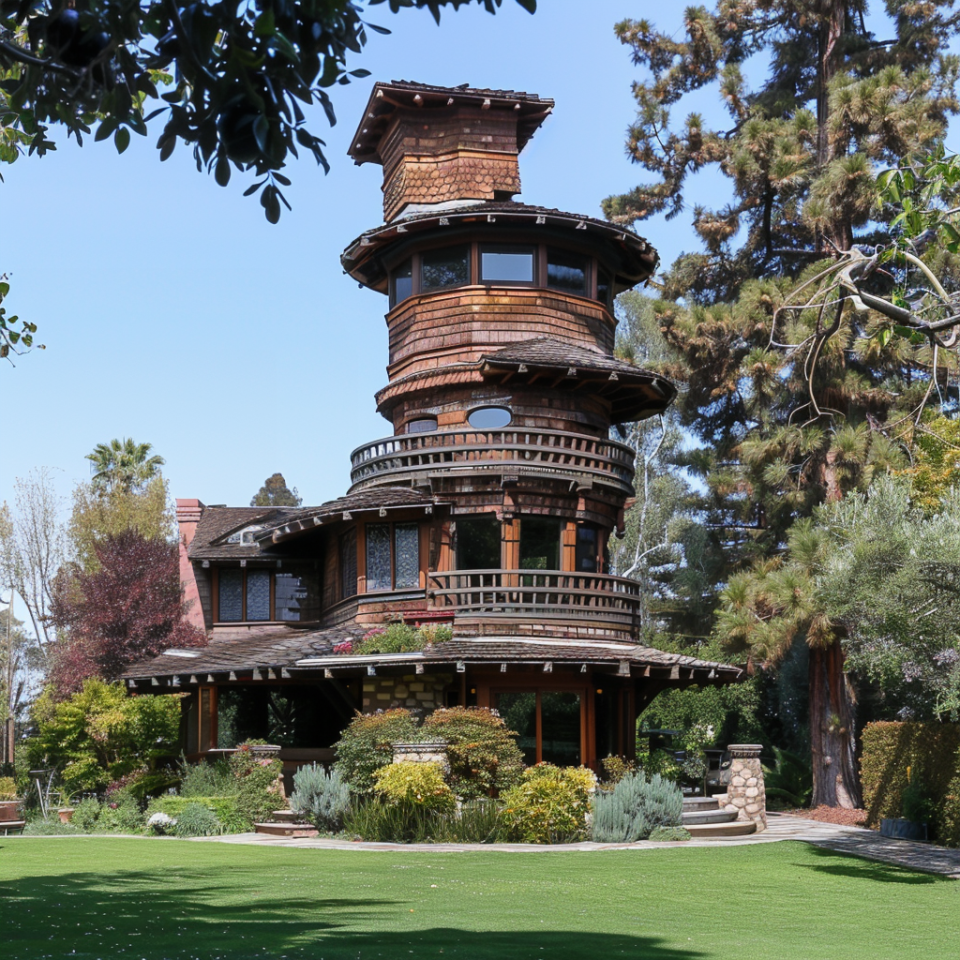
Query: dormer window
(248,535)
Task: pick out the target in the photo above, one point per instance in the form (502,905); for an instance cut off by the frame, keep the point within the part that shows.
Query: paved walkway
(857,841)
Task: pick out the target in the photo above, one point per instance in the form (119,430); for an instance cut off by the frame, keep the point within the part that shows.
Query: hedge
(225,808)
(928,749)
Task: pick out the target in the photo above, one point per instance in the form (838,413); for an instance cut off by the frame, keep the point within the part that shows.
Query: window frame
(244,571)
(392,541)
(508,248)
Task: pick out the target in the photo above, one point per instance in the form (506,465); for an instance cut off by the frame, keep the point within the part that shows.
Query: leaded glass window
(378,556)
(231,594)
(348,564)
(407,555)
(446,267)
(258,594)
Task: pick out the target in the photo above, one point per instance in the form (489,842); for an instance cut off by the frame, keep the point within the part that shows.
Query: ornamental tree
(127,609)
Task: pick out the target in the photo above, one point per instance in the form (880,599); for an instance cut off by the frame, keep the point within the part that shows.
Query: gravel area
(843,818)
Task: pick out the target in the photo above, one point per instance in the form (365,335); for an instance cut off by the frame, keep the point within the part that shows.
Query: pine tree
(276,493)
(792,407)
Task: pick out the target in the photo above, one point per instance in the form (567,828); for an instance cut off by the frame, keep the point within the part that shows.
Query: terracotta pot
(65,814)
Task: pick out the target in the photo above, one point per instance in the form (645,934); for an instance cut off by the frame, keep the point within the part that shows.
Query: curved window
(489,418)
(505,264)
(567,272)
(605,288)
(423,425)
(446,267)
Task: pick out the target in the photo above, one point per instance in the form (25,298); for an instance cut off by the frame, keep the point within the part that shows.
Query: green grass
(152,899)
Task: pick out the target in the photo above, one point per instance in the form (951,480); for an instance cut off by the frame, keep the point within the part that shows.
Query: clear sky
(173,313)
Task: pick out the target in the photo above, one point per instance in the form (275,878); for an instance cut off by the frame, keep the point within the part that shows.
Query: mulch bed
(838,815)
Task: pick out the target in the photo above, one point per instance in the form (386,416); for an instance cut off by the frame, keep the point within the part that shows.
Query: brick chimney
(188,516)
(443,146)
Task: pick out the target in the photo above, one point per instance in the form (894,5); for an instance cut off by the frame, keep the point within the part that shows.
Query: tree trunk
(832,732)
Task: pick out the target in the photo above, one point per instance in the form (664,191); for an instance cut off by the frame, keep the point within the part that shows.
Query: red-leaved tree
(128,609)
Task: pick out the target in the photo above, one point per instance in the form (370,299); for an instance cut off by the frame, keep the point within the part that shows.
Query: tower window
(401,283)
(447,267)
(505,264)
(489,418)
(566,272)
(478,542)
(422,425)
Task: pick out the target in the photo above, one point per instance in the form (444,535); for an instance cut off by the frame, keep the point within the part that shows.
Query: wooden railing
(543,594)
(512,449)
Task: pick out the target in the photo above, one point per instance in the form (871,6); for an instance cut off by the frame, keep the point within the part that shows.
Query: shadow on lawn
(195,914)
(860,868)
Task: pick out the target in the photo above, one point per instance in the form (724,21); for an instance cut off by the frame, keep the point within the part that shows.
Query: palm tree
(123,465)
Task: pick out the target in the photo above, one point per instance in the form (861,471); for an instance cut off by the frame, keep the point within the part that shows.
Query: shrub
(616,768)
(8,788)
(668,834)
(483,752)
(895,753)
(791,780)
(257,793)
(122,816)
(141,784)
(197,820)
(365,745)
(414,784)
(477,821)
(320,796)
(225,808)
(211,779)
(949,815)
(548,806)
(378,821)
(161,823)
(634,808)
(397,638)
(49,828)
(85,815)
(662,762)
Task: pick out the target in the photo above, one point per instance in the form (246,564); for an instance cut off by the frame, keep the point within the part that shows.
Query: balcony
(521,451)
(604,602)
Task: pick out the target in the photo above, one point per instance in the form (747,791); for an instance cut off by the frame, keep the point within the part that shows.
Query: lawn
(152,899)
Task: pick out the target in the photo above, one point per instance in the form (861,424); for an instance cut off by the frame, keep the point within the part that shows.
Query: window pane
(258,594)
(378,556)
(489,418)
(510,264)
(348,564)
(231,594)
(604,288)
(296,595)
(519,712)
(402,283)
(478,543)
(407,555)
(560,726)
(587,548)
(425,425)
(567,271)
(445,268)
(539,544)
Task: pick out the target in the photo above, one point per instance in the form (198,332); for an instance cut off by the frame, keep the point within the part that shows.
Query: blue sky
(173,313)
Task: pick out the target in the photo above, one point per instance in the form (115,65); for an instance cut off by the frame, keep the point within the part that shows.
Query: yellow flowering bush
(549,806)
(419,785)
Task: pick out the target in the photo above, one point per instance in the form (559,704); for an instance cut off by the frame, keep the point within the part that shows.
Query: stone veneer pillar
(745,790)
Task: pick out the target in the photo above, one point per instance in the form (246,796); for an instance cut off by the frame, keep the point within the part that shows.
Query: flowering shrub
(396,638)
(225,809)
(483,752)
(414,784)
(549,806)
(345,647)
(365,745)
(256,778)
(160,823)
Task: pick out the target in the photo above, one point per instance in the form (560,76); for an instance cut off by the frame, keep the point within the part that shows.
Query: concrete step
(285,816)
(691,804)
(709,816)
(721,831)
(292,830)
(721,798)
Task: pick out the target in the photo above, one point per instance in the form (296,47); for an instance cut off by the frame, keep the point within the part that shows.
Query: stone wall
(421,693)
(746,793)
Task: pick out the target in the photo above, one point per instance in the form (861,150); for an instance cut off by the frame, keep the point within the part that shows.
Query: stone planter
(423,753)
(896,828)
(65,814)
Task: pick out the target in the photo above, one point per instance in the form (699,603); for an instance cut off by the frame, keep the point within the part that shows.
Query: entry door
(550,724)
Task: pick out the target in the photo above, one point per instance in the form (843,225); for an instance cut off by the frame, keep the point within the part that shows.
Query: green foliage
(401,638)
(207,779)
(8,788)
(668,834)
(948,817)
(616,768)
(120,816)
(896,754)
(483,752)
(790,782)
(365,745)
(276,493)
(477,821)
(634,807)
(85,815)
(226,810)
(16,335)
(256,777)
(49,828)
(100,734)
(124,466)
(549,805)
(660,763)
(321,796)
(413,784)
(378,821)
(197,820)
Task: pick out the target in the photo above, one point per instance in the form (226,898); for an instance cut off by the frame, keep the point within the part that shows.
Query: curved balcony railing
(543,594)
(521,450)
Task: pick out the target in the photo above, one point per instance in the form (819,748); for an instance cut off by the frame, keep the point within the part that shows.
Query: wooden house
(488,507)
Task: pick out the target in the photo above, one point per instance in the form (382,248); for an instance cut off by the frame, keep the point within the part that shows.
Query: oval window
(489,418)
(424,425)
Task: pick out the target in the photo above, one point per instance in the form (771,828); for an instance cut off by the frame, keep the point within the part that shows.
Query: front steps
(704,817)
(285,823)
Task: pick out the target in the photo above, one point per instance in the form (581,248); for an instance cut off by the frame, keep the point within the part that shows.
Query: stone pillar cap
(746,749)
